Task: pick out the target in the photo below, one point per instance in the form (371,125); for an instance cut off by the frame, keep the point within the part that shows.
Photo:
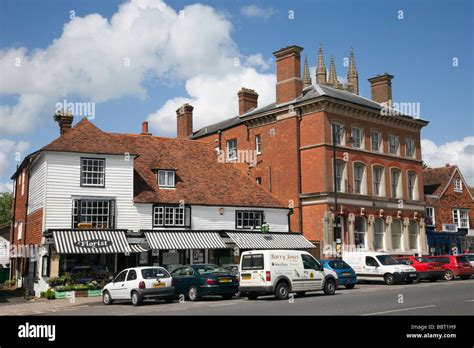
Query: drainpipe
(298,155)
(219,132)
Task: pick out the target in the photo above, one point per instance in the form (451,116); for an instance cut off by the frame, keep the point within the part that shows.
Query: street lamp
(335,136)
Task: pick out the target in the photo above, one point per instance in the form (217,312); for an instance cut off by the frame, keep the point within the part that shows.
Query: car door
(313,273)
(118,290)
(371,267)
(179,281)
(130,283)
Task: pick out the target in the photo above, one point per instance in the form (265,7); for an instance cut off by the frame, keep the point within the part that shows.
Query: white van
(280,272)
(372,265)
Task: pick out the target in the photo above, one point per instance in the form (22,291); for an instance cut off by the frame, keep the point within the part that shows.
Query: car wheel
(350,286)
(464,277)
(389,279)
(448,275)
(301,293)
(193,293)
(106,298)
(329,287)
(281,291)
(252,296)
(227,297)
(137,300)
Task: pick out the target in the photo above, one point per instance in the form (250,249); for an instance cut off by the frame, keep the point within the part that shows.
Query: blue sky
(418,50)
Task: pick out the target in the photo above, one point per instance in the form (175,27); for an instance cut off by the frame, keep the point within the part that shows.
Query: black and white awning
(260,240)
(137,248)
(91,242)
(165,240)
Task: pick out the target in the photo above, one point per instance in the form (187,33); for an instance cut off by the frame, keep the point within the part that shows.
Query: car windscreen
(426,259)
(387,260)
(251,262)
(154,273)
(210,269)
(338,265)
(462,259)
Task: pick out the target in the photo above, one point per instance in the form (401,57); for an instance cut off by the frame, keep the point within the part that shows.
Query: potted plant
(81,290)
(93,289)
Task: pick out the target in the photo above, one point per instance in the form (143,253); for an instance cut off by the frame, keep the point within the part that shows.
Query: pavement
(440,298)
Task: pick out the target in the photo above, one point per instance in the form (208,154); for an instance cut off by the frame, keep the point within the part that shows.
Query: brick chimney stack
(248,99)
(381,88)
(64,119)
(184,117)
(145,129)
(288,65)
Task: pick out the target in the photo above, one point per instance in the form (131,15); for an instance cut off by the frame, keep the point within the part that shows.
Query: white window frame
(399,190)
(397,144)
(457,183)
(399,234)
(412,147)
(23,183)
(258,144)
(169,178)
(100,173)
(20,230)
(381,192)
(231,151)
(379,234)
(380,140)
(458,218)
(412,190)
(249,215)
(361,137)
(178,216)
(341,136)
(363,178)
(431,215)
(342,187)
(410,235)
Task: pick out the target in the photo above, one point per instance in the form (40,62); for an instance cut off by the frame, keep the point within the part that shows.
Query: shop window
(413,235)
(360,232)
(248,219)
(99,213)
(396,234)
(172,216)
(93,172)
(379,233)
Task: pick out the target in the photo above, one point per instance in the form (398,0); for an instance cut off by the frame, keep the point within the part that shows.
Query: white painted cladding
(36,187)
(63,185)
(208,217)
(4,251)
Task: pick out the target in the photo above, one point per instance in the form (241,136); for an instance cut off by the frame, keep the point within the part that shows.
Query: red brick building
(287,147)
(449,210)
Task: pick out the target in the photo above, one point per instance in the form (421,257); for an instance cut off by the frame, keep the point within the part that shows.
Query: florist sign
(93,243)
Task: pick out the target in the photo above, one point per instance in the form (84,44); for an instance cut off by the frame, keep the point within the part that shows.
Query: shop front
(446,243)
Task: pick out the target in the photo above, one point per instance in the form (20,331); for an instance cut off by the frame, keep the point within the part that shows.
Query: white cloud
(6,187)
(97,59)
(460,153)
(208,108)
(257,60)
(254,11)
(11,152)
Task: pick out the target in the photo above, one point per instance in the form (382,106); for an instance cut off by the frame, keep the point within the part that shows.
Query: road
(441,298)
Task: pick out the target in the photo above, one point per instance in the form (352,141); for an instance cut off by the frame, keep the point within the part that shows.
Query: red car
(455,266)
(426,268)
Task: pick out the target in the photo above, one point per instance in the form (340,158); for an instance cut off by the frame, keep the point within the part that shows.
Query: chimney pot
(381,88)
(288,65)
(145,128)
(248,99)
(184,119)
(64,119)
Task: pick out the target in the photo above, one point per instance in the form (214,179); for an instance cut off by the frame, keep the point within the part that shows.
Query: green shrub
(80,287)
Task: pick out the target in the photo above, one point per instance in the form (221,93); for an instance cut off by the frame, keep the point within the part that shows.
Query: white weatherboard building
(98,199)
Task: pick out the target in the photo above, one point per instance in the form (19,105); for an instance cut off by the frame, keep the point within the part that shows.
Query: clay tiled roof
(436,179)
(200,178)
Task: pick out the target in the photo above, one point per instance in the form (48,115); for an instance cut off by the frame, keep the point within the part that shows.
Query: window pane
(92,172)
(379,231)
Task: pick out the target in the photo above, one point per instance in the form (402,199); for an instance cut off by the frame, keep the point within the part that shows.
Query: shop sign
(93,243)
(450,227)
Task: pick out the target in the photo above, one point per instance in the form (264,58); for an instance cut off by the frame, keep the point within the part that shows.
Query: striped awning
(90,242)
(137,248)
(261,240)
(165,240)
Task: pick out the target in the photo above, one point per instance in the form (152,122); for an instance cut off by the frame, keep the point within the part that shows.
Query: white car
(280,272)
(470,257)
(374,265)
(139,283)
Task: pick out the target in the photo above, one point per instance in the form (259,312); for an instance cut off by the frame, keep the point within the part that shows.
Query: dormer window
(166,178)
